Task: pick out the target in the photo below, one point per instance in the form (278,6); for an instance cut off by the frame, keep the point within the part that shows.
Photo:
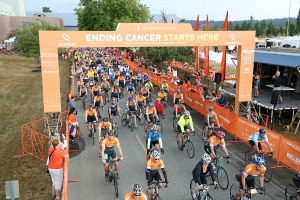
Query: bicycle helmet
(136,189)
(178,91)
(206,158)
(259,160)
(151,105)
(90,106)
(187,113)
(155,154)
(220,134)
(210,108)
(99,94)
(155,127)
(161,89)
(262,131)
(130,99)
(111,133)
(105,119)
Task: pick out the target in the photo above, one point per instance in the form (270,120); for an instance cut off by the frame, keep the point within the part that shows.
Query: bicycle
(105,96)
(222,177)
(175,125)
(127,118)
(234,188)
(149,125)
(91,132)
(155,190)
(186,142)
(140,116)
(112,175)
(202,194)
(249,159)
(98,112)
(211,131)
(84,101)
(115,125)
(291,193)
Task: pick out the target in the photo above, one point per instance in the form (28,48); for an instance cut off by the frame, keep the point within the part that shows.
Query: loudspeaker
(218,77)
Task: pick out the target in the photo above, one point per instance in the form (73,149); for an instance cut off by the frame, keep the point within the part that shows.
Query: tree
(104,15)
(244,26)
(181,20)
(298,23)
(262,27)
(292,29)
(46,9)
(256,28)
(164,18)
(27,40)
(251,24)
(270,29)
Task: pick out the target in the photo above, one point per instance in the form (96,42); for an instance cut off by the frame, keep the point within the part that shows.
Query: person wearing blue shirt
(130,88)
(111,74)
(145,78)
(154,139)
(222,98)
(257,137)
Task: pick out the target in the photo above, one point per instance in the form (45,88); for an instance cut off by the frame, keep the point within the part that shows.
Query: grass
(21,101)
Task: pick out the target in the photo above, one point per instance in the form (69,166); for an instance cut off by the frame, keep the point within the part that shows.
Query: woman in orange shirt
(56,155)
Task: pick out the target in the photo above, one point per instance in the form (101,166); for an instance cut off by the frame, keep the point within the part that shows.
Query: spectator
(222,98)
(72,103)
(72,124)
(256,83)
(213,97)
(56,155)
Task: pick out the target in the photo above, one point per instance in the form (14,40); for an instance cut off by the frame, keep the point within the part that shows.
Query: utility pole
(288,22)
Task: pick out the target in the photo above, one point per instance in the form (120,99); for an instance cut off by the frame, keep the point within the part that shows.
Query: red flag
(196,48)
(206,52)
(223,63)
(172,20)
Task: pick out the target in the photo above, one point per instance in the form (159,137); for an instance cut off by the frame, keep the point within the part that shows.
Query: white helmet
(206,158)
(136,189)
(155,154)
(187,113)
(155,127)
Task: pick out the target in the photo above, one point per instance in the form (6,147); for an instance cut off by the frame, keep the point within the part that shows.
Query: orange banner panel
(289,153)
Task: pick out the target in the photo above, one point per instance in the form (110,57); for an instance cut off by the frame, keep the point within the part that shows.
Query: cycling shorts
(114,112)
(250,181)
(252,143)
(114,95)
(130,89)
(177,100)
(122,84)
(97,104)
(151,117)
(179,129)
(91,118)
(104,89)
(111,153)
(206,124)
(96,92)
(155,176)
(153,143)
(82,94)
(131,108)
(203,178)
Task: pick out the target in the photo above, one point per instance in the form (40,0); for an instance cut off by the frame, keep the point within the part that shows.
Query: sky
(189,9)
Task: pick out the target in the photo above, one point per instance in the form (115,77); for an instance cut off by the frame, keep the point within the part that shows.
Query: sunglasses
(137,195)
(156,158)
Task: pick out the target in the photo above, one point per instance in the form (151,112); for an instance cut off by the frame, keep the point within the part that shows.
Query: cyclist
(145,78)
(105,86)
(116,74)
(165,86)
(200,173)
(114,108)
(214,142)
(134,79)
(153,165)
(162,95)
(131,106)
(130,88)
(98,101)
(141,100)
(83,92)
(255,139)
(154,139)
(121,80)
(90,73)
(139,77)
(149,86)
(150,114)
(95,89)
(105,76)
(111,74)
(183,123)
(296,180)
(179,109)
(91,84)
(209,120)
(115,92)
(246,178)
(135,194)
(178,95)
(108,148)
(90,117)
(103,129)
(159,107)
(80,83)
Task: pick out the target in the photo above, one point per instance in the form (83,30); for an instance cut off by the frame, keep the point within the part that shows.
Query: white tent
(293,41)
(217,57)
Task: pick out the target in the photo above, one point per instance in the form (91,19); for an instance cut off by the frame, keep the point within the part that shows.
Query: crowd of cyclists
(105,78)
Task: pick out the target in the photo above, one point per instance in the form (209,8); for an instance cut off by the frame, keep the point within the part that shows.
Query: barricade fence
(286,151)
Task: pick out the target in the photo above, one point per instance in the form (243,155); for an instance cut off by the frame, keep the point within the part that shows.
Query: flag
(223,63)
(206,52)
(196,48)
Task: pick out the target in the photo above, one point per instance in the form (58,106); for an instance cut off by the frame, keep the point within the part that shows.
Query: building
(12,7)
(9,23)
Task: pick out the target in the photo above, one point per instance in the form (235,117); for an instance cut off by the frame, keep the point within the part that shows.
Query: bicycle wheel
(141,119)
(208,197)
(177,140)
(222,178)
(192,186)
(190,149)
(175,125)
(131,123)
(290,190)
(116,184)
(160,127)
(234,188)
(124,119)
(203,135)
(146,130)
(248,157)
(268,174)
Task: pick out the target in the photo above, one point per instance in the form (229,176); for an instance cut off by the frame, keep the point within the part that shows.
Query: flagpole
(288,22)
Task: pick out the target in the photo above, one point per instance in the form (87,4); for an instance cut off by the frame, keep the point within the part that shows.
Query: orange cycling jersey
(110,143)
(250,169)
(105,125)
(98,98)
(150,110)
(139,98)
(131,103)
(121,78)
(178,96)
(134,77)
(105,76)
(96,88)
(129,196)
(152,165)
(91,112)
(80,82)
(116,90)
(214,141)
(105,84)
(117,73)
(83,89)
(144,90)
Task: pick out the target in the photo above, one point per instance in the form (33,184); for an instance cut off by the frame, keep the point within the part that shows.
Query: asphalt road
(87,167)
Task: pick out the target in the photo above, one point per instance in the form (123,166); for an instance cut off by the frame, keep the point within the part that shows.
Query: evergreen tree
(298,23)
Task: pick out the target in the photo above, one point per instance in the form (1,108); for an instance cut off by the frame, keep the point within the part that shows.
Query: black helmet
(105,119)
(262,131)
